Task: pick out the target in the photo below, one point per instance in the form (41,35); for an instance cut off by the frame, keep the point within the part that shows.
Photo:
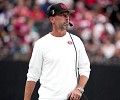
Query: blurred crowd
(96,22)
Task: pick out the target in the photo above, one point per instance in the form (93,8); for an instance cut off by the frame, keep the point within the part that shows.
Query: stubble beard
(64,26)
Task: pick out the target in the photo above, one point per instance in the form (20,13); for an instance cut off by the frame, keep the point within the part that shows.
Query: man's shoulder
(43,38)
(75,37)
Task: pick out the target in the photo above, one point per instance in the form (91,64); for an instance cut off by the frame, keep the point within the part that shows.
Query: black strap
(76,68)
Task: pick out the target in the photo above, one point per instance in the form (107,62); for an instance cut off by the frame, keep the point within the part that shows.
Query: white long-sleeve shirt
(53,62)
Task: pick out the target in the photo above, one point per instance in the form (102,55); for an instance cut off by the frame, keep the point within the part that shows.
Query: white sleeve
(83,62)
(35,64)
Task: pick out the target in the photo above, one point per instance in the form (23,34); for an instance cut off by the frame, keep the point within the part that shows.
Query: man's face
(62,20)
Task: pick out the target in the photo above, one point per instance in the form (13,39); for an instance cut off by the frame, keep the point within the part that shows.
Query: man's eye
(64,15)
(61,15)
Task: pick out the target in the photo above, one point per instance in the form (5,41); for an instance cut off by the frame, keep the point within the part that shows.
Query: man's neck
(58,33)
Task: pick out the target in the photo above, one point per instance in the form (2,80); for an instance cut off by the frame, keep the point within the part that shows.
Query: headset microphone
(70,24)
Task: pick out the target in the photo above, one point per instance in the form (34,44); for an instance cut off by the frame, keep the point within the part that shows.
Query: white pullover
(53,62)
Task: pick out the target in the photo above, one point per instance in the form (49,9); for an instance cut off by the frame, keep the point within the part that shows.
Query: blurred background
(96,22)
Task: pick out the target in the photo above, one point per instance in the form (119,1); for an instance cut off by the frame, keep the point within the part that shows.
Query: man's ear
(52,19)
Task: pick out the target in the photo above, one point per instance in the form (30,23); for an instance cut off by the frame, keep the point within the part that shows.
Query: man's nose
(67,17)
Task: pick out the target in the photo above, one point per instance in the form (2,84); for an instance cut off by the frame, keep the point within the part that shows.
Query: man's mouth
(66,24)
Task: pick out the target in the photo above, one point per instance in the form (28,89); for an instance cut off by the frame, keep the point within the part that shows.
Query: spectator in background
(102,24)
(103,3)
(22,28)
(43,4)
(85,27)
(4,39)
(107,49)
(92,47)
(91,4)
(69,3)
(117,44)
(78,14)
(37,14)
(33,34)
(83,21)
(21,9)
(113,12)
(4,16)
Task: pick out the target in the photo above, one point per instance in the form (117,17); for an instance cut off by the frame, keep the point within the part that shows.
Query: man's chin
(66,27)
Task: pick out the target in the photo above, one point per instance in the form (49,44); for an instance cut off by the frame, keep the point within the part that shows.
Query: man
(55,58)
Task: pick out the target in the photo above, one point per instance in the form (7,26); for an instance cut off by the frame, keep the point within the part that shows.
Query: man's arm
(76,94)
(30,85)
(82,81)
